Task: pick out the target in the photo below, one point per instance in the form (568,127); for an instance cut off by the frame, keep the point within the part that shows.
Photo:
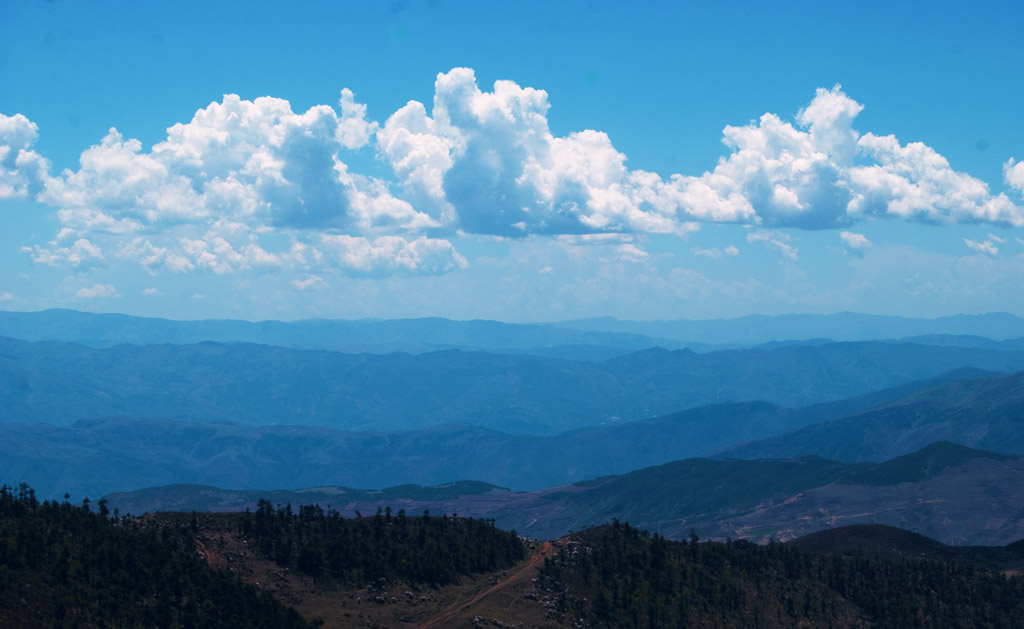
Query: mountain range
(604,336)
(58,383)
(93,457)
(948,492)
(544,427)
(985,413)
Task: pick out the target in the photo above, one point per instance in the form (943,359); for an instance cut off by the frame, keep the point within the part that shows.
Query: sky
(526,161)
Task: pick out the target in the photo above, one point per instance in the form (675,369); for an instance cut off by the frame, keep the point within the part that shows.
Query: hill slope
(986,413)
(62,565)
(94,457)
(945,491)
(889,542)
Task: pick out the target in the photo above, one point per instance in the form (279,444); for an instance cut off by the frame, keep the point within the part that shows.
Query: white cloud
(1013,172)
(252,185)
(250,161)
(631,253)
(254,167)
(714,252)
(486,162)
(151,292)
(914,182)
(855,243)
(986,247)
(22,171)
(389,254)
(995,238)
(776,240)
(6,297)
(354,131)
(97,291)
(310,283)
(80,253)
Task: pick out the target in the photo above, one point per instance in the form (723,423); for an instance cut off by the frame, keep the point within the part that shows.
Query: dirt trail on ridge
(456,608)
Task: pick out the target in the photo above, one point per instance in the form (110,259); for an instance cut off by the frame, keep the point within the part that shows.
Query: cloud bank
(255,186)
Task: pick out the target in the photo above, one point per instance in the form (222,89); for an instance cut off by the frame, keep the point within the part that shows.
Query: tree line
(620,576)
(432,550)
(67,565)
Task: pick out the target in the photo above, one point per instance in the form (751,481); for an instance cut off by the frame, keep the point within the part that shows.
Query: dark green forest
(64,565)
(620,576)
(423,549)
(68,565)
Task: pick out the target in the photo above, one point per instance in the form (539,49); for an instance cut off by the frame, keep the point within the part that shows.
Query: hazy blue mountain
(98,456)
(365,335)
(844,326)
(259,384)
(587,339)
(986,413)
(948,492)
(964,340)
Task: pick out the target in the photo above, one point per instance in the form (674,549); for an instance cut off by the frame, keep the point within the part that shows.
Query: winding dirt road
(455,608)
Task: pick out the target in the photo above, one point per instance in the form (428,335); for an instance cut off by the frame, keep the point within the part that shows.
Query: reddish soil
(459,607)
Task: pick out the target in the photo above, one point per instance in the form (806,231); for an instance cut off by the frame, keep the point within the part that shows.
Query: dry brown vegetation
(499,599)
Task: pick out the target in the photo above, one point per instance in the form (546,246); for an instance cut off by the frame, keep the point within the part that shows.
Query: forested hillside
(619,576)
(66,565)
(389,547)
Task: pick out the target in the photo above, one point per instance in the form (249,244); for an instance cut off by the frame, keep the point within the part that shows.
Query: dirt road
(455,608)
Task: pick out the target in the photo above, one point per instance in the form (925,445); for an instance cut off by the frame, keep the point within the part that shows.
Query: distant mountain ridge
(356,336)
(945,491)
(843,326)
(92,457)
(985,413)
(261,384)
(566,339)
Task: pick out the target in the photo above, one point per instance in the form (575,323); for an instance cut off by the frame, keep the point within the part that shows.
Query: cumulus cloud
(204,198)
(22,170)
(244,173)
(80,253)
(775,240)
(250,161)
(986,247)
(310,283)
(1013,172)
(392,254)
(488,163)
(915,182)
(855,243)
(97,291)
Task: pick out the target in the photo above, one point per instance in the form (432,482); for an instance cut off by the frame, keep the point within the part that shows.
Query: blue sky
(516,161)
